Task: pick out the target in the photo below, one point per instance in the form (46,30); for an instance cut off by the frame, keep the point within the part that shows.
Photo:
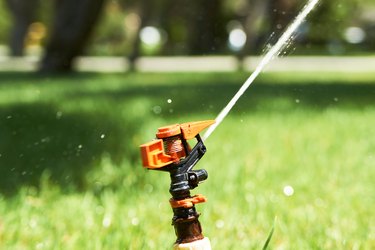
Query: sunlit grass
(82,186)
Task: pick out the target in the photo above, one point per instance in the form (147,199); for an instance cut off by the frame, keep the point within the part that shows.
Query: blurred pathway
(205,64)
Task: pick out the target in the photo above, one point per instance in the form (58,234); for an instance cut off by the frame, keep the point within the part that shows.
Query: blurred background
(61,30)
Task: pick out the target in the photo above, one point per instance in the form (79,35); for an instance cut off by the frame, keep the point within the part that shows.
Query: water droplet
(149,188)
(46,139)
(135,221)
(58,115)
(80,146)
(169,100)
(336,99)
(107,221)
(288,190)
(24,173)
(297,101)
(102,136)
(39,245)
(171,111)
(9,117)
(33,223)
(157,109)
(219,224)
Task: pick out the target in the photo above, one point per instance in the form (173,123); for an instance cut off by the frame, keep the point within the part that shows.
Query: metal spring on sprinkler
(173,145)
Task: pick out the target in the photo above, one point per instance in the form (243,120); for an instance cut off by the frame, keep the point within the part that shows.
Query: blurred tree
(327,26)
(145,10)
(72,26)
(251,14)
(187,27)
(281,13)
(198,28)
(23,12)
(260,19)
(116,31)
(206,26)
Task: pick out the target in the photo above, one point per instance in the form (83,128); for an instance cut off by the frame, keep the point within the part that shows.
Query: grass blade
(269,236)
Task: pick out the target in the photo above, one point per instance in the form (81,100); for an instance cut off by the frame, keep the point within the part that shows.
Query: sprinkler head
(171,152)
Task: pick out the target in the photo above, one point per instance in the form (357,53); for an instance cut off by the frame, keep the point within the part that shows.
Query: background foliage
(183,33)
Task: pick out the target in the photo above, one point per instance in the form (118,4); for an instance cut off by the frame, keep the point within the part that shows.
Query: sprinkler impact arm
(170,152)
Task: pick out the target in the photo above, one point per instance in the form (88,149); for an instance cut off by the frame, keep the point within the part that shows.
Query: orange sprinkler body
(172,153)
(159,153)
(188,202)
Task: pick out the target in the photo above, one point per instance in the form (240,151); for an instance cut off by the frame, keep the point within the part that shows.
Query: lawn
(298,151)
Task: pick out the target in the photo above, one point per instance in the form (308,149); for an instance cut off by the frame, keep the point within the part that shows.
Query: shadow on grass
(36,138)
(26,77)
(210,98)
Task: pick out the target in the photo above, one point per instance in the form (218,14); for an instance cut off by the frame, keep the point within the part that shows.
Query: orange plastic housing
(187,203)
(191,129)
(155,155)
(168,131)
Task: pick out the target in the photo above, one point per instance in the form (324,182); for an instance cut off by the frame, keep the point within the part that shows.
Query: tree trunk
(146,8)
(252,22)
(281,13)
(73,23)
(23,12)
(205,26)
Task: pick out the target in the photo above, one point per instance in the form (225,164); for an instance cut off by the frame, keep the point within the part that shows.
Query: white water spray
(275,50)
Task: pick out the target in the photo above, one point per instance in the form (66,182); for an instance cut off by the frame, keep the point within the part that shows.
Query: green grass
(71,177)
